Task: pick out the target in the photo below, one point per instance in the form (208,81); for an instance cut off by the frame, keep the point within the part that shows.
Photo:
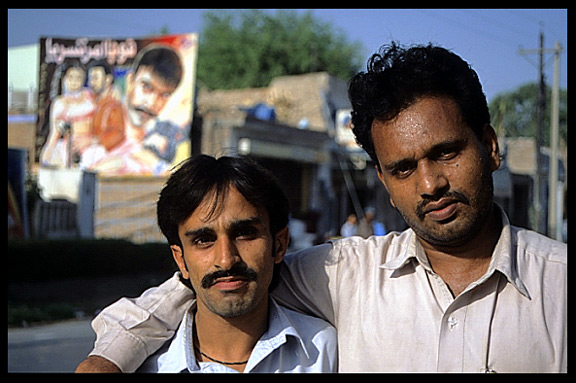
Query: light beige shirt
(392,312)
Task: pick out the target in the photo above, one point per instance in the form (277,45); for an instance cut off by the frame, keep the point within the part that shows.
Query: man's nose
(431,179)
(149,99)
(226,254)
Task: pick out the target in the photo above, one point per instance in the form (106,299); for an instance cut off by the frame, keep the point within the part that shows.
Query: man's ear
(490,142)
(178,255)
(281,241)
(381,178)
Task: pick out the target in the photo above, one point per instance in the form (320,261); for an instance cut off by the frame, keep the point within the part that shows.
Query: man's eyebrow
(433,151)
(198,232)
(252,221)
(448,144)
(392,166)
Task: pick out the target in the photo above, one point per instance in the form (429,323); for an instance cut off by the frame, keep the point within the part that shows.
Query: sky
(488,39)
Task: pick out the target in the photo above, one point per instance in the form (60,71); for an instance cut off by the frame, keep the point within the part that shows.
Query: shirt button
(452,322)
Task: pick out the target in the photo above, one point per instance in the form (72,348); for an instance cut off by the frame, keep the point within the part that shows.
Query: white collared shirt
(294,342)
(392,312)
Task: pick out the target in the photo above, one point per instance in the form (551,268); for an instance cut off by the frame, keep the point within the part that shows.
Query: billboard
(344,135)
(116,106)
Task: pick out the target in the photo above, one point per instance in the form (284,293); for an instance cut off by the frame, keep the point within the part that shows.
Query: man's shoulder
(536,245)
(305,325)
(365,252)
(373,241)
(374,249)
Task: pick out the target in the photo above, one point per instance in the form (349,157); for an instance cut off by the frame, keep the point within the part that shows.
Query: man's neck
(229,340)
(461,265)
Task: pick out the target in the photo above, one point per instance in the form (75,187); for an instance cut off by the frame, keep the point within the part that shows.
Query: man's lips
(230,283)
(441,210)
(145,112)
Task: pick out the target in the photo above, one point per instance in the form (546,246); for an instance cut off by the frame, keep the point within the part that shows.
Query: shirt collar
(280,328)
(503,257)
(180,355)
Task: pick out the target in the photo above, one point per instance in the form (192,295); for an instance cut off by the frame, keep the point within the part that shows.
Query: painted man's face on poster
(116,107)
(147,94)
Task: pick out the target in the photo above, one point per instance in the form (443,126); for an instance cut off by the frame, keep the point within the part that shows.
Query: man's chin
(139,119)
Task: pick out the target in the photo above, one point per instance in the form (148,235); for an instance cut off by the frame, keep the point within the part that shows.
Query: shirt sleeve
(306,281)
(131,329)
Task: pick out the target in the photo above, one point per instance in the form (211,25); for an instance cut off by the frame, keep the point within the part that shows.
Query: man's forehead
(229,205)
(147,74)
(419,128)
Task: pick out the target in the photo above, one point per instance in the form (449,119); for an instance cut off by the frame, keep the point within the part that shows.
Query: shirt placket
(464,326)
(451,341)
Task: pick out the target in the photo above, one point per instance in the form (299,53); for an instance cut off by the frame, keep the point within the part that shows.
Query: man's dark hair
(199,177)
(101,63)
(397,77)
(163,61)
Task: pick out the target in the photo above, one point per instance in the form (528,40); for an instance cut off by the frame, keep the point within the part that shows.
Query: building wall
(23,67)
(126,208)
(22,135)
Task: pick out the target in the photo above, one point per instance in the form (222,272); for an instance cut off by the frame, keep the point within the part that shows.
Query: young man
(226,222)
(461,290)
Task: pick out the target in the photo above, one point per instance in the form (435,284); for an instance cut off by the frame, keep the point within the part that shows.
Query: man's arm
(130,330)
(307,279)
(97,364)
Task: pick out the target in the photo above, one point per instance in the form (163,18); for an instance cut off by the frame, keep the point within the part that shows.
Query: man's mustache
(238,270)
(145,110)
(451,194)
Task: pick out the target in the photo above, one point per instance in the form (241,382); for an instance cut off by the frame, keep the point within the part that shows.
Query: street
(57,347)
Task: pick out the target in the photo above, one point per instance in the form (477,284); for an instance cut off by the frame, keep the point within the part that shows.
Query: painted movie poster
(116,106)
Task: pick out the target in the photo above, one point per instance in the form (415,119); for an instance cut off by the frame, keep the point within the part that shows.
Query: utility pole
(540,182)
(554,117)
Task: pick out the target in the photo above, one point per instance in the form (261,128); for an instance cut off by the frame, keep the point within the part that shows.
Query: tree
(249,48)
(514,114)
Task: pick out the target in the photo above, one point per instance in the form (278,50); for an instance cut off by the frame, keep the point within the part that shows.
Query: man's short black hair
(397,76)
(164,62)
(198,177)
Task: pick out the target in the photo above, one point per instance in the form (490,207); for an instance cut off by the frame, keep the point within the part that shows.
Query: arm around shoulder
(130,330)
(97,364)
(305,282)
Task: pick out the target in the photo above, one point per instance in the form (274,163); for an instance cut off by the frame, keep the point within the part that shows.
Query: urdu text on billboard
(116,106)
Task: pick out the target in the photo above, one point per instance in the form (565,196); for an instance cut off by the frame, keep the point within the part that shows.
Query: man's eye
(203,241)
(447,155)
(402,172)
(246,233)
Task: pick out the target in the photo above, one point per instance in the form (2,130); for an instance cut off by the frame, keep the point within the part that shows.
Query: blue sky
(488,39)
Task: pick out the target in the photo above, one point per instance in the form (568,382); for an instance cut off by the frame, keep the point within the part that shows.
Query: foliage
(516,112)
(249,48)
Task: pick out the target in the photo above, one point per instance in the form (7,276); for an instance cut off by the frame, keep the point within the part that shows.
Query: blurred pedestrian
(365,228)
(350,227)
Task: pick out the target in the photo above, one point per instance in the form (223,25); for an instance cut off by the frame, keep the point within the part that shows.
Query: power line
(469,28)
(540,182)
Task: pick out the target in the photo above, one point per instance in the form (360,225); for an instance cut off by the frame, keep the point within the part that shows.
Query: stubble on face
(431,145)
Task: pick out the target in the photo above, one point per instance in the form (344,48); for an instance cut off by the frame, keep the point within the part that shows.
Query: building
(292,128)
(520,157)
